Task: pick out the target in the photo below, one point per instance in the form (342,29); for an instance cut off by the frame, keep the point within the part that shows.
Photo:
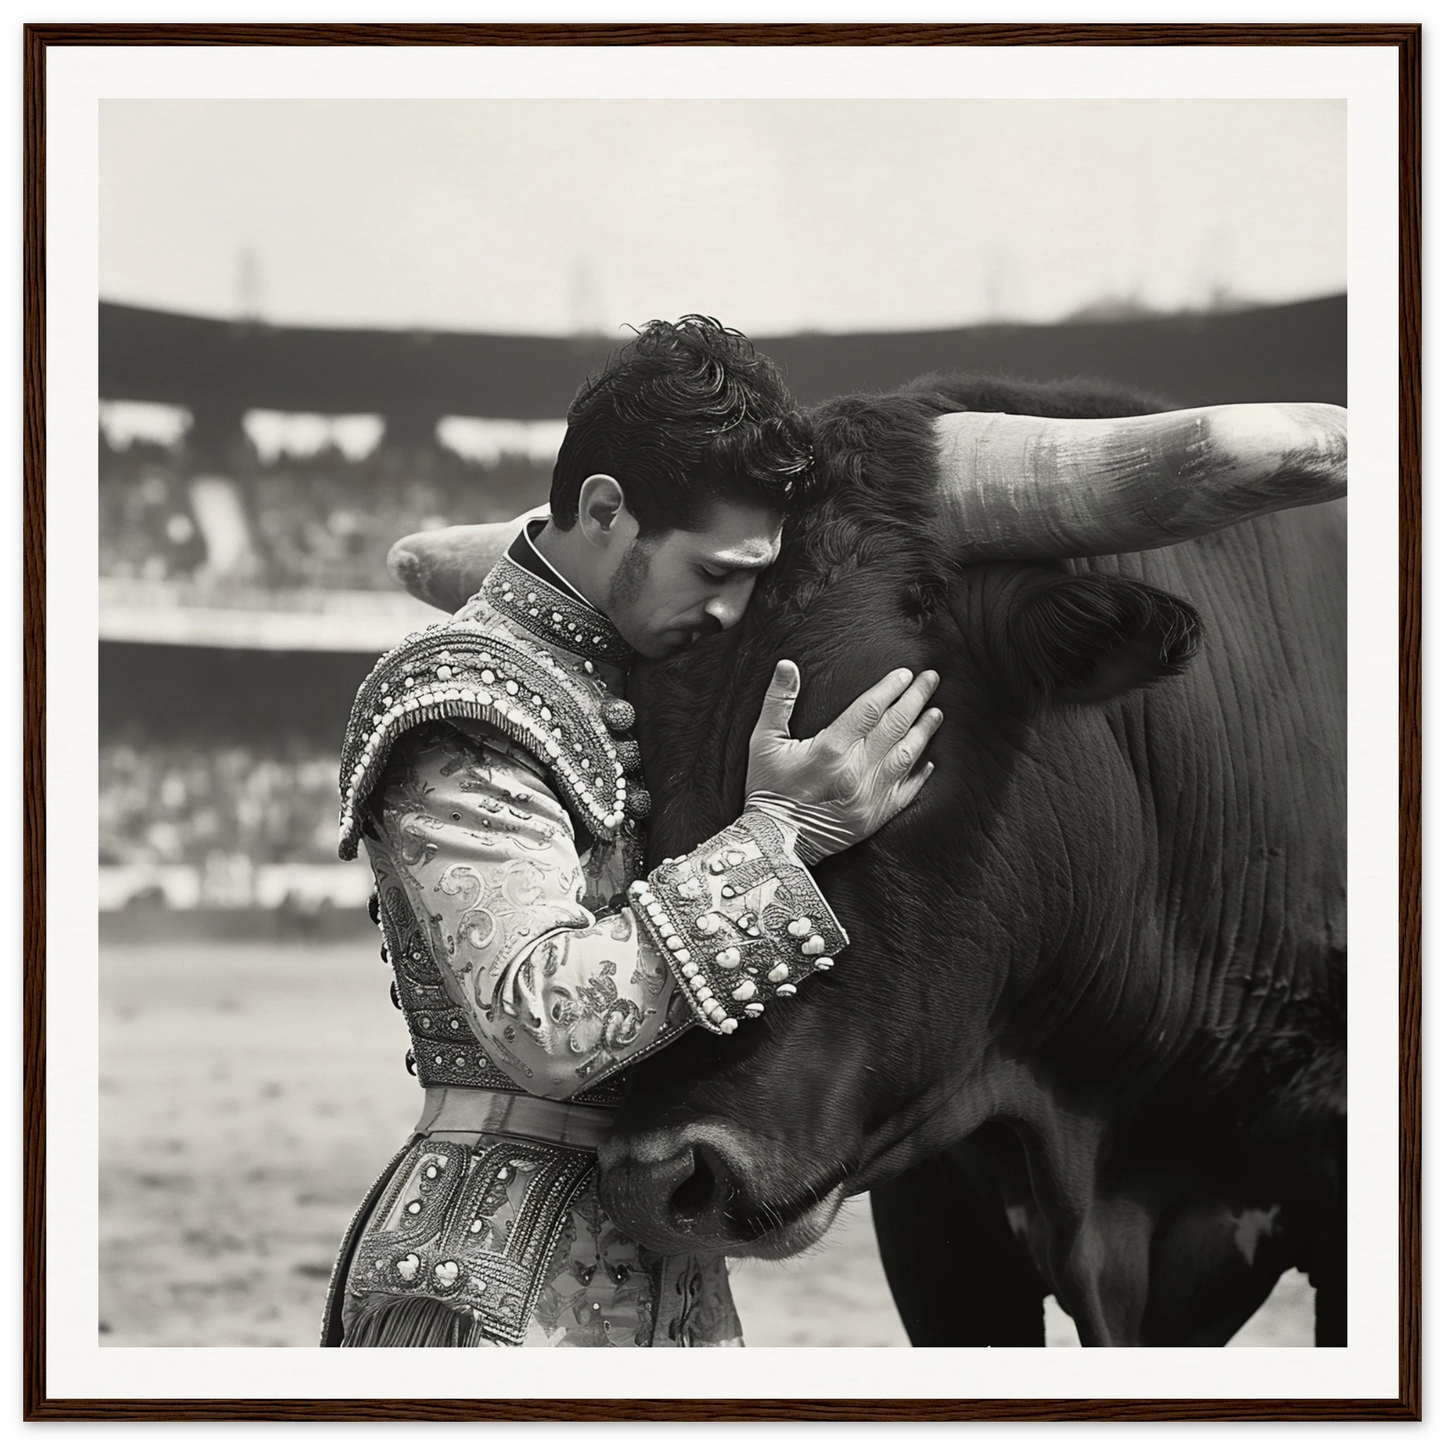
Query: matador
(491,775)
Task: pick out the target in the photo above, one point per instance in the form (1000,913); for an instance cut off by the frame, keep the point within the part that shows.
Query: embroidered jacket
(489,772)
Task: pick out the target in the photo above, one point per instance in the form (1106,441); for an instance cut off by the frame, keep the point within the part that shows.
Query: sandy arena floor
(248,1096)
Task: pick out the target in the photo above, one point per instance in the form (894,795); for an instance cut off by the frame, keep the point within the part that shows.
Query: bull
(1089,1037)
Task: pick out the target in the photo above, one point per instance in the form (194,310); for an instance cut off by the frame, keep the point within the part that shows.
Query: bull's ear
(1089,638)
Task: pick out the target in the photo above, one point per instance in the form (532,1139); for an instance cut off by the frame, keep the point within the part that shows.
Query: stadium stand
(147,528)
(319,522)
(175,802)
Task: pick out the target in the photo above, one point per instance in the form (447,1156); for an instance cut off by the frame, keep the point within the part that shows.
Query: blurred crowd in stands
(320,521)
(173,802)
(146,526)
(226,522)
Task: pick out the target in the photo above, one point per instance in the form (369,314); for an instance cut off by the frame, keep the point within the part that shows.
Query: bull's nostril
(704,1191)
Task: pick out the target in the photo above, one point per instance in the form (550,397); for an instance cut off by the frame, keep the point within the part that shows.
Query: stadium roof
(1275,353)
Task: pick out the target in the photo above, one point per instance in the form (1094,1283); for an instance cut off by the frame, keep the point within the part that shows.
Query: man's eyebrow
(740,562)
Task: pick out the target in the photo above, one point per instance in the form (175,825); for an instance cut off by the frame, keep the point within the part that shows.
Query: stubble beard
(629,581)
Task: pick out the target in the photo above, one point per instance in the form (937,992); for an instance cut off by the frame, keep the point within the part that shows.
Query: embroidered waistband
(485,1111)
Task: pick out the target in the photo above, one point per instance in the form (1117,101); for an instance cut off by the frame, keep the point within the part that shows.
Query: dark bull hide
(1089,1036)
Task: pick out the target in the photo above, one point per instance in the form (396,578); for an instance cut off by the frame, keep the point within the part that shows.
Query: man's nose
(727,608)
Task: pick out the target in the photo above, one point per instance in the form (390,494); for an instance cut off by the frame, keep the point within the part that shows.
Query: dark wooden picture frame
(1405,40)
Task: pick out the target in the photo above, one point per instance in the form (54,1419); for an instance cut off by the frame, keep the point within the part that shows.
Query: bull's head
(747,1143)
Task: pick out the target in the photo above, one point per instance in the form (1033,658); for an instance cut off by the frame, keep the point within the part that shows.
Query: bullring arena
(251,1073)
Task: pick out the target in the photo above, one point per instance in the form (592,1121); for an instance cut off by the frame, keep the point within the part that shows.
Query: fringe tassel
(417,1323)
(531,733)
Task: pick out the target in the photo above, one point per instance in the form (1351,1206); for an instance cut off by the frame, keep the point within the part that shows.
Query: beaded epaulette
(461,668)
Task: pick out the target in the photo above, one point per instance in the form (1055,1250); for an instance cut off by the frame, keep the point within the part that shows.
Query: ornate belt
(486,1111)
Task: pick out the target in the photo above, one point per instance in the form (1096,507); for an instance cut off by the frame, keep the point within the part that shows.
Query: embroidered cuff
(739,922)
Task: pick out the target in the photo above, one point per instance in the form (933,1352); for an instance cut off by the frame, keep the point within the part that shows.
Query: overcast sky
(556,216)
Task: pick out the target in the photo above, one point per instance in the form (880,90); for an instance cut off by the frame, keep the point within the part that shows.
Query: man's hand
(841,786)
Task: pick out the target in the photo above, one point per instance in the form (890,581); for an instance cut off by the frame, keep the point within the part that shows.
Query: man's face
(670,590)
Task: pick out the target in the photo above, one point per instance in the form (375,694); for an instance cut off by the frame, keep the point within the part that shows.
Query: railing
(231,615)
(235,884)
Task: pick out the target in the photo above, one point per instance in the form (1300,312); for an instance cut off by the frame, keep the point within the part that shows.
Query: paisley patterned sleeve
(559,995)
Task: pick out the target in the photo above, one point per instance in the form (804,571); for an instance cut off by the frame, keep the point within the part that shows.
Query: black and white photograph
(725,722)
(1137,813)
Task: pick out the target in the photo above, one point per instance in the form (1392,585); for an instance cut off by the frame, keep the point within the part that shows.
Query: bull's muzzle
(704,1187)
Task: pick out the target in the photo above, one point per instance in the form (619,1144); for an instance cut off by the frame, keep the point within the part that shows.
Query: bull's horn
(1038,487)
(447,566)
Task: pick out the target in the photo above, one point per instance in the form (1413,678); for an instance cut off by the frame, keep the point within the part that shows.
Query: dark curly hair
(684,415)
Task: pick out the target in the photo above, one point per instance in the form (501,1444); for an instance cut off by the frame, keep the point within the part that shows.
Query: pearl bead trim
(553,616)
(738,922)
(461,668)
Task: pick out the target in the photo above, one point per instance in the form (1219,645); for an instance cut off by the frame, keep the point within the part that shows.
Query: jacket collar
(528,590)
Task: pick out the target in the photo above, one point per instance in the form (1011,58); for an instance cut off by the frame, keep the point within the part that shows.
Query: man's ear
(1090,638)
(601,507)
